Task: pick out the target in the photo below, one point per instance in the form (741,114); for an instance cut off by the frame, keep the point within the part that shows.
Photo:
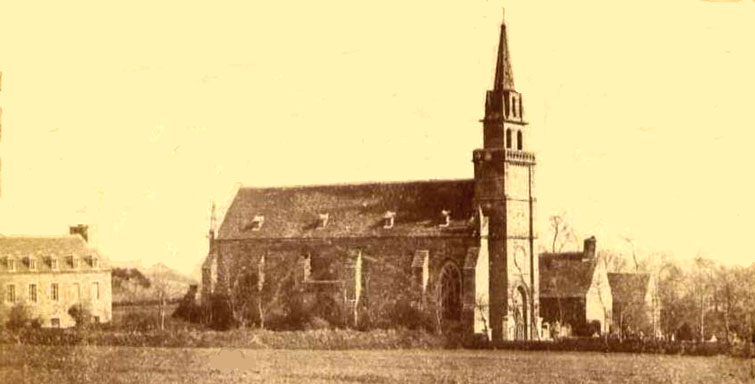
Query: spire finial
(213,219)
(503,15)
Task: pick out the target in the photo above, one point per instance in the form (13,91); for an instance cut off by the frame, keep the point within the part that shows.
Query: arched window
(519,140)
(449,295)
(513,106)
(508,138)
(519,309)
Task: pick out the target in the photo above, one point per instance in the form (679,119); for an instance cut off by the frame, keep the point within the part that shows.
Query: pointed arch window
(449,294)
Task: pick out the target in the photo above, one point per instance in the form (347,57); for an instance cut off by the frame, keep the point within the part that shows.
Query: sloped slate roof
(354,210)
(42,249)
(628,287)
(566,275)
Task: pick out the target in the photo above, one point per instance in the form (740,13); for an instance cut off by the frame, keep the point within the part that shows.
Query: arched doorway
(519,309)
(449,296)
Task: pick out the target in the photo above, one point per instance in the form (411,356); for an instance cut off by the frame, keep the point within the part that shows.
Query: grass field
(40,364)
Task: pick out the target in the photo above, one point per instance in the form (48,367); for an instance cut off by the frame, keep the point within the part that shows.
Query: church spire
(504,76)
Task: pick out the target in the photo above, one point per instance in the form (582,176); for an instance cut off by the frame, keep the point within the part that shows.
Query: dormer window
(53,264)
(32,264)
(74,262)
(256,223)
(10,263)
(94,261)
(446,218)
(322,220)
(388,219)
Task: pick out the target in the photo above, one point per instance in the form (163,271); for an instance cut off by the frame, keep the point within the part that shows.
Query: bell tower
(504,183)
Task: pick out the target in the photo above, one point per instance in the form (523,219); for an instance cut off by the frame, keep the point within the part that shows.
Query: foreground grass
(103,364)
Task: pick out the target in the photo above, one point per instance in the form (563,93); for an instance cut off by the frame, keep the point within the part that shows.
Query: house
(458,252)
(575,291)
(636,306)
(49,275)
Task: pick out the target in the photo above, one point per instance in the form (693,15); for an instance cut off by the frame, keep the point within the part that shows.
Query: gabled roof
(566,275)
(42,249)
(355,210)
(629,287)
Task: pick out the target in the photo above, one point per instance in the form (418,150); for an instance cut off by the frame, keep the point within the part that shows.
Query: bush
(81,315)
(221,315)
(20,317)
(187,308)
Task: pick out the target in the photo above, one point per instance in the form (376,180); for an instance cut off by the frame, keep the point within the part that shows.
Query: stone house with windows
(49,275)
(460,252)
(575,291)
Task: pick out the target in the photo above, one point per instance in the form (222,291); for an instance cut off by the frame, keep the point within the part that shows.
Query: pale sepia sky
(135,117)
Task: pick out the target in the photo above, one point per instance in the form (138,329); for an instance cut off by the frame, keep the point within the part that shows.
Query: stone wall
(392,269)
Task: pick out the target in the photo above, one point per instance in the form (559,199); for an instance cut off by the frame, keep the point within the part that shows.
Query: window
(11,264)
(33,293)
(95,262)
(54,292)
(388,219)
(519,141)
(32,264)
(520,106)
(55,322)
(446,218)
(256,223)
(54,264)
(74,262)
(96,319)
(513,106)
(10,295)
(95,291)
(76,292)
(508,138)
(307,266)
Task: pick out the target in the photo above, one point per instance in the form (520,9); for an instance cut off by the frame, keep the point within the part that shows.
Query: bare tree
(703,283)
(634,253)
(613,261)
(563,233)
(160,284)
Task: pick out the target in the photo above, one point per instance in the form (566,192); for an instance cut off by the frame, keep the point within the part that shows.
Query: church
(456,255)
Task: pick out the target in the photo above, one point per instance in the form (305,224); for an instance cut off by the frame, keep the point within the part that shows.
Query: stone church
(457,252)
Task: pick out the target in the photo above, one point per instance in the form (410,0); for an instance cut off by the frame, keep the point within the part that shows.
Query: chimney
(590,245)
(81,230)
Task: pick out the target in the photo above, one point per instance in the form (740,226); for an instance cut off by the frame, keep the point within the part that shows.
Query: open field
(42,364)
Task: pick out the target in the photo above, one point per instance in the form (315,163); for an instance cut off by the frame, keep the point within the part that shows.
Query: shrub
(221,315)
(81,315)
(188,309)
(19,317)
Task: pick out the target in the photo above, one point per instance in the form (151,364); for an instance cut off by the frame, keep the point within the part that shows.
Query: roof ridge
(19,236)
(355,184)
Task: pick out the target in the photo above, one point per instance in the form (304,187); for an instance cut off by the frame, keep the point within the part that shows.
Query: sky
(136,117)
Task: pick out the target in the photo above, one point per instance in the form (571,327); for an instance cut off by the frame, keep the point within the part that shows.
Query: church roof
(352,210)
(42,249)
(629,287)
(566,274)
